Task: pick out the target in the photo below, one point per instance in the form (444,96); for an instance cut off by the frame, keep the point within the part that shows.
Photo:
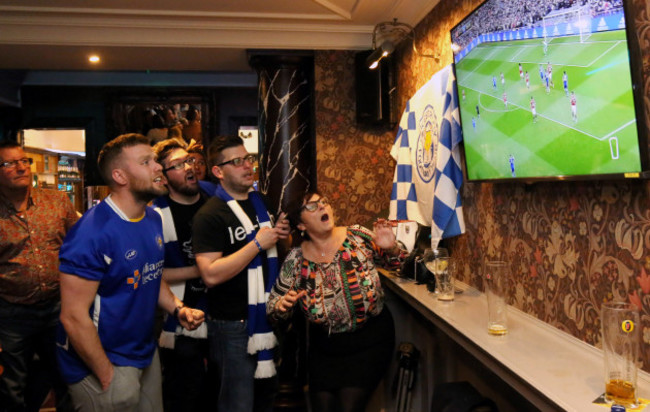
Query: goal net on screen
(574,21)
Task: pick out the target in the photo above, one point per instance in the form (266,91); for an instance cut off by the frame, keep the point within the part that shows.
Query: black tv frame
(636,77)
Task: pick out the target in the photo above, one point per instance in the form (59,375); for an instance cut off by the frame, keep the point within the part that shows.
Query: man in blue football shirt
(111,267)
(548,84)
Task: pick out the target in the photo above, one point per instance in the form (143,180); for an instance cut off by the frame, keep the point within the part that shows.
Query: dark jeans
(26,331)
(240,391)
(189,383)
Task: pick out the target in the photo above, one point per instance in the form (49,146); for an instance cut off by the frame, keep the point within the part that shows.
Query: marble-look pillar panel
(286,123)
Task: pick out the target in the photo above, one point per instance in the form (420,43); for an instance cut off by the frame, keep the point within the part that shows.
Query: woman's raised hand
(384,236)
(287,301)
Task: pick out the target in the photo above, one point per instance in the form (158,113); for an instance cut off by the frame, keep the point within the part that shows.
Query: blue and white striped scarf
(261,338)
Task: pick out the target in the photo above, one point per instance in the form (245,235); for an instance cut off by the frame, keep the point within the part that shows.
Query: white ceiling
(187,35)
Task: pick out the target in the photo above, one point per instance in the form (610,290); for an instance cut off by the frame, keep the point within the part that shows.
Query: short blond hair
(113,149)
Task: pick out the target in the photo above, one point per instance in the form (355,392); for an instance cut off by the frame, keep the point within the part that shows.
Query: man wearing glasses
(200,169)
(33,223)
(184,352)
(234,242)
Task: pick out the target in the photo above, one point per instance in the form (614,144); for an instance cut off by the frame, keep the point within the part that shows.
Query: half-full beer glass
(444,278)
(621,336)
(496,288)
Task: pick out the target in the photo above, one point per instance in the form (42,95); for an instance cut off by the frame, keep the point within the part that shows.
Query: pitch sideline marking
(492,51)
(539,114)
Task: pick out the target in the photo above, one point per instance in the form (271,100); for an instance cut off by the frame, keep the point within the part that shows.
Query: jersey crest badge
(425,154)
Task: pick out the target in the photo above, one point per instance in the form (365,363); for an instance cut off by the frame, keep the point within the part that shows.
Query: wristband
(258,245)
(177,310)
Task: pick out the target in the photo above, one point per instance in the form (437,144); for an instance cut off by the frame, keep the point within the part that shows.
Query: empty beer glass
(496,289)
(621,332)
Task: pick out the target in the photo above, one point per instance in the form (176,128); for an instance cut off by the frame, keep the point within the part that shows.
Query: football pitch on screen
(499,136)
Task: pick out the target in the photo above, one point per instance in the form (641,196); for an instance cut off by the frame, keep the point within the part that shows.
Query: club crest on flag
(426,149)
(428,174)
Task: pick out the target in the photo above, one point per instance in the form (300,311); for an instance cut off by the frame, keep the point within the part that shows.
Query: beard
(147,192)
(184,188)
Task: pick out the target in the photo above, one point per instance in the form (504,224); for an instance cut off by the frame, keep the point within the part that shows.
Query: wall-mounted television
(548,90)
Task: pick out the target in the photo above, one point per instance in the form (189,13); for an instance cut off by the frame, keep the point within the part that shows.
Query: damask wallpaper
(354,166)
(572,245)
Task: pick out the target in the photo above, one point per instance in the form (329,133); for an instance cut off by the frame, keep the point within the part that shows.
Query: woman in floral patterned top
(333,279)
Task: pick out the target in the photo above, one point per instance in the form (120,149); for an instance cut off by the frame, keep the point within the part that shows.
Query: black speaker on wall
(375,91)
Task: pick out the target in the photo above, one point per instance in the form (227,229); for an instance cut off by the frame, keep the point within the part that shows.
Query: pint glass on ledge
(496,289)
(621,332)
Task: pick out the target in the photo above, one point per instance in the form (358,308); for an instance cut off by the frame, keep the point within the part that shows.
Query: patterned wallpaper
(572,245)
(354,166)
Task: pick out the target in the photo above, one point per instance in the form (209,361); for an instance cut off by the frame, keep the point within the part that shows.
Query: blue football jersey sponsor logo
(130,254)
(134,280)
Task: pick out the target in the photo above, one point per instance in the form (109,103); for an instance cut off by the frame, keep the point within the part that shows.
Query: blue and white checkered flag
(427,180)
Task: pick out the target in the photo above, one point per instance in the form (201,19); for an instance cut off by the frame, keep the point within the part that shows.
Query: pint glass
(444,278)
(432,261)
(621,336)
(496,287)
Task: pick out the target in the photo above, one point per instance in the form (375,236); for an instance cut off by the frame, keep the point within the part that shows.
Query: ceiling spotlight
(93,58)
(373,59)
(382,51)
(391,33)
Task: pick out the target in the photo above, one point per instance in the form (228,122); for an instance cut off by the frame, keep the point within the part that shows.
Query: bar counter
(549,368)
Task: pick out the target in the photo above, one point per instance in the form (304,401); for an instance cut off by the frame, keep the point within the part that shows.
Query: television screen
(546,90)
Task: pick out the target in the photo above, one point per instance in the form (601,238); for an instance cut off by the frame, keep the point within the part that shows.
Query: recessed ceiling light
(93,59)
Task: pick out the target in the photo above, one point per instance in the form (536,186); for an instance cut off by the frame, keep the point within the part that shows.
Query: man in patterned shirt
(33,223)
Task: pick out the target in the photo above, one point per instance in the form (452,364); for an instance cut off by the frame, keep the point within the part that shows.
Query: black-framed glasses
(11,164)
(239,161)
(313,205)
(180,165)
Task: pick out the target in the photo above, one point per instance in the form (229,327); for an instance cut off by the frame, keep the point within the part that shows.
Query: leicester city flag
(427,180)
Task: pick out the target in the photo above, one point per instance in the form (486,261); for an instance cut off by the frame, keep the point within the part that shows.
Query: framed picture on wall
(161,116)
(247,128)
(250,135)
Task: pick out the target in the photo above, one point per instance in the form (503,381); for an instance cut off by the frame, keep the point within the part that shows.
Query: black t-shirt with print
(217,229)
(182,216)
